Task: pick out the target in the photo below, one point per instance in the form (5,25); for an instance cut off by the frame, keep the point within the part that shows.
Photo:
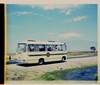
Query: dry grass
(80,53)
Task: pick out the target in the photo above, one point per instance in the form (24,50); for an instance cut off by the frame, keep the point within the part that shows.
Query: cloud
(69,12)
(56,6)
(70,35)
(76,19)
(26,13)
(37,14)
(79,18)
(21,13)
(67,9)
(50,33)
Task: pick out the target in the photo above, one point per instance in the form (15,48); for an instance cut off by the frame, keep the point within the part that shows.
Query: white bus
(39,52)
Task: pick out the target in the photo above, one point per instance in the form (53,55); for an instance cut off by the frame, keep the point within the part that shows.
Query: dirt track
(30,72)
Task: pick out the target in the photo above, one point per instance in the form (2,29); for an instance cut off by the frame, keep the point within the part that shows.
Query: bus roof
(41,42)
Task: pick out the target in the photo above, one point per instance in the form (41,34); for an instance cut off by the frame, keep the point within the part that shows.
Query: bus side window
(30,47)
(56,49)
(41,47)
(49,49)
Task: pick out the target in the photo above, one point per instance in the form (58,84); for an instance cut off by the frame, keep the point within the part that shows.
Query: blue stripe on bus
(46,54)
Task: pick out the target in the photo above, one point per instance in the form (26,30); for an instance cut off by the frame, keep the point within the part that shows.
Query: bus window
(31,47)
(54,47)
(61,47)
(49,47)
(42,48)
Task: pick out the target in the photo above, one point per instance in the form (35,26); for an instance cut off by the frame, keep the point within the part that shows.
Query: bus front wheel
(63,58)
(41,61)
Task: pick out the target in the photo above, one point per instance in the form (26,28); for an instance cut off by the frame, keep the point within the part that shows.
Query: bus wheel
(63,58)
(41,61)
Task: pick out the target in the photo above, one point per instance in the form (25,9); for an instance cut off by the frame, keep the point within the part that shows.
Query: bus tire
(41,61)
(63,58)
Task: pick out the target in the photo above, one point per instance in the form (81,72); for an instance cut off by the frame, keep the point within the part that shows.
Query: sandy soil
(32,71)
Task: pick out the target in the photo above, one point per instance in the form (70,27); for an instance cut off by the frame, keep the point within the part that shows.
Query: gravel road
(31,71)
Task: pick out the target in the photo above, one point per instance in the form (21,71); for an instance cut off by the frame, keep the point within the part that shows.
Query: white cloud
(50,33)
(21,13)
(67,9)
(37,14)
(79,18)
(70,35)
(76,19)
(26,13)
(69,12)
(66,12)
(56,6)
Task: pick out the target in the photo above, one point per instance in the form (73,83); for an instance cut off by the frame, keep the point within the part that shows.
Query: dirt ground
(32,71)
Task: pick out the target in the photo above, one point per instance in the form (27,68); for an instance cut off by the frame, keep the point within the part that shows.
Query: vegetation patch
(57,75)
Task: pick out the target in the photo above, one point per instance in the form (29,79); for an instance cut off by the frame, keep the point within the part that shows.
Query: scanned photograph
(49,42)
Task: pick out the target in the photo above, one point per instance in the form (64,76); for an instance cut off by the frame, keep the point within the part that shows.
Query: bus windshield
(21,48)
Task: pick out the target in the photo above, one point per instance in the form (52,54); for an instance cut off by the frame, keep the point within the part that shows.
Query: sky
(74,24)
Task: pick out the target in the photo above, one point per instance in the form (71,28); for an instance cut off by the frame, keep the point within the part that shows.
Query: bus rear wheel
(41,61)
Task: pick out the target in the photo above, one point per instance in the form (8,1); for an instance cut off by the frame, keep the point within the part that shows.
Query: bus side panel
(34,57)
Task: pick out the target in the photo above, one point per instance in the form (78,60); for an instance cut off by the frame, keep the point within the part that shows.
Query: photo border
(62,2)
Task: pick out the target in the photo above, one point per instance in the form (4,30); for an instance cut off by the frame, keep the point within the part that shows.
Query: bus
(32,51)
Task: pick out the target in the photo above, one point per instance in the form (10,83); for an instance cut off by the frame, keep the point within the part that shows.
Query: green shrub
(56,75)
(49,76)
